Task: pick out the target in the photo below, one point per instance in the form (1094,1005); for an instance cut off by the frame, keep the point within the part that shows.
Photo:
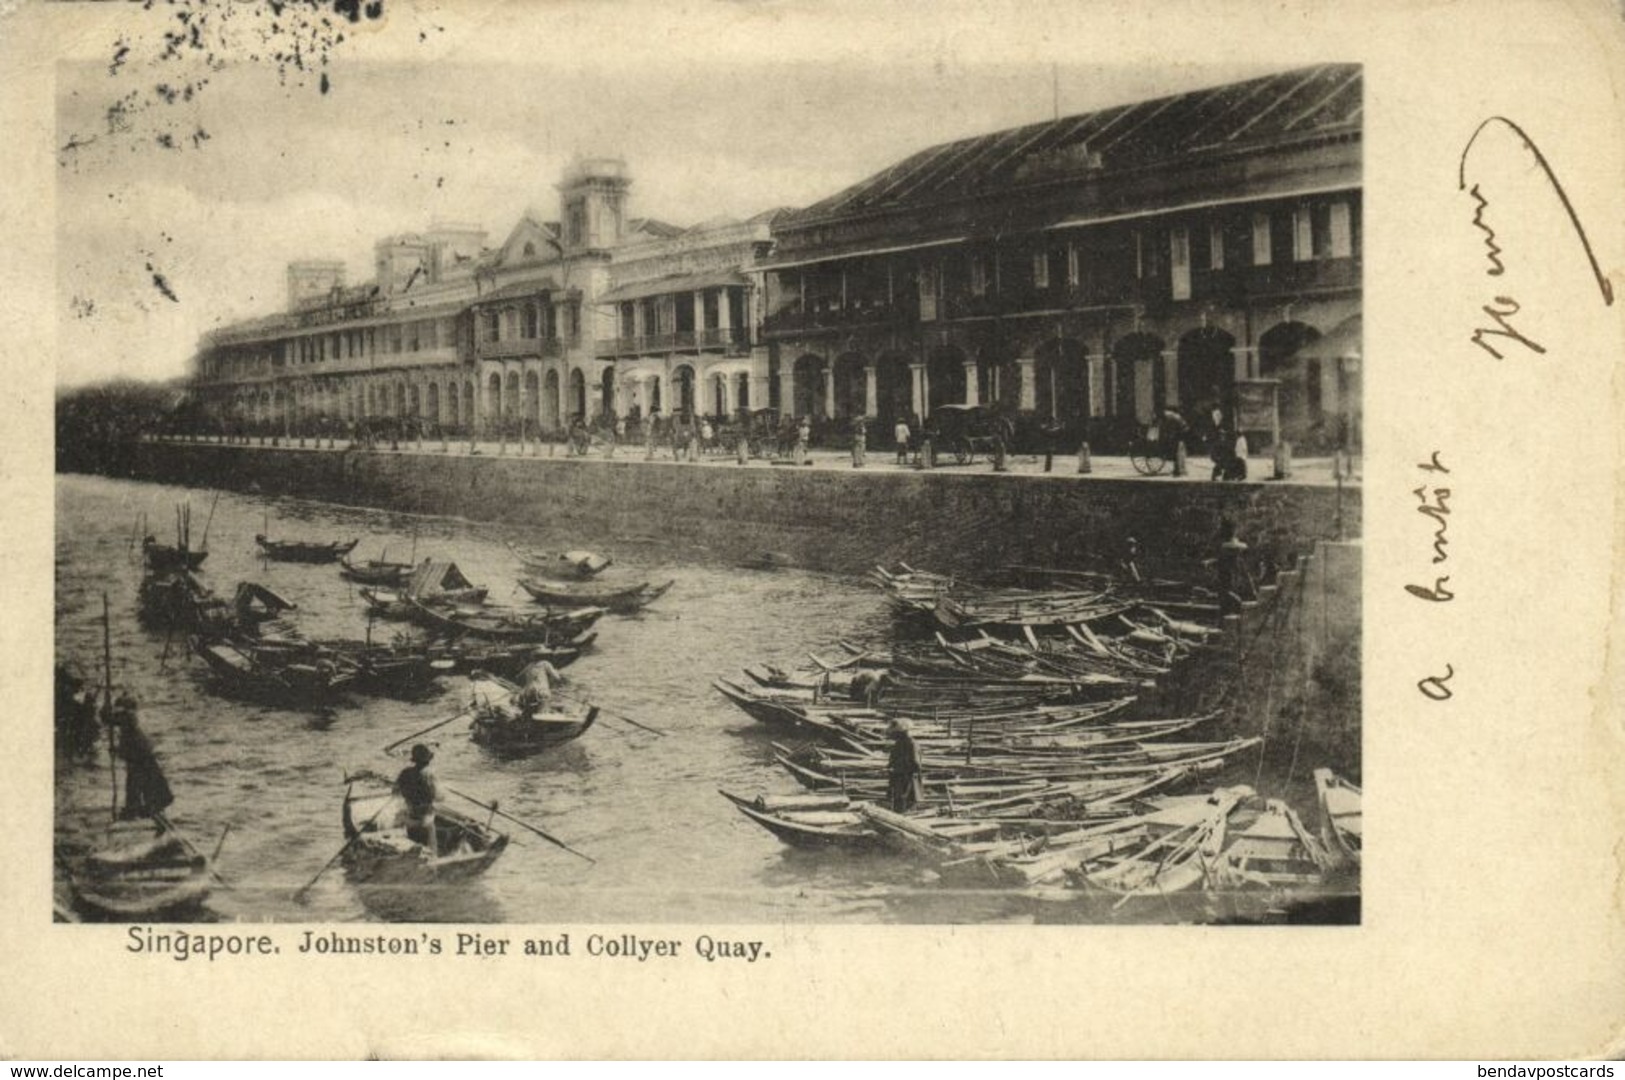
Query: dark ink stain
(162,285)
(326,86)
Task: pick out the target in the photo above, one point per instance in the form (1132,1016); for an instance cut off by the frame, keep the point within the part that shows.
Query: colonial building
(1191,252)
(1094,270)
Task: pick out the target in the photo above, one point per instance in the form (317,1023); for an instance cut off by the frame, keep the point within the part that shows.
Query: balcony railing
(836,317)
(723,337)
(509,348)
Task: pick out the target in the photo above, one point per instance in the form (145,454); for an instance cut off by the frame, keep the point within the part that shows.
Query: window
(1179,261)
(1261,239)
(1342,231)
(530,249)
(978,276)
(575,226)
(1139,255)
(1073,268)
(1303,235)
(1215,251)
(1041,269)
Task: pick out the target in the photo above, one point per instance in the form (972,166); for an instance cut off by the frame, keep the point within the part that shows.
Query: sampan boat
(808,821)
(147,871)
(170,558)
(1339,817)
(378,852)
(304,551)
(375,572)
(283,672)
(568,565)
(545,627)
(505,728)
(621,599)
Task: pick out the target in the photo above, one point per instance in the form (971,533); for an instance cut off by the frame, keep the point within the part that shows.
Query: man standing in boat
(903,769)
(416,785)
(146,791)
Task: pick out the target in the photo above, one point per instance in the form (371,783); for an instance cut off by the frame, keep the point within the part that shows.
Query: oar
(204,546)
(609,712)
(503,813)
(299,896)
(425,731)
(629,720)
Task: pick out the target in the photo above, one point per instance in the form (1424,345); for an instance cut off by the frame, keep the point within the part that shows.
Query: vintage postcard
(858,530)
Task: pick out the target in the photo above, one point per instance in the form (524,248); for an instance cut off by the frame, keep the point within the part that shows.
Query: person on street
(649,425)
(900,434)
(860,441)
(903,769)
(803,439)
(417,788)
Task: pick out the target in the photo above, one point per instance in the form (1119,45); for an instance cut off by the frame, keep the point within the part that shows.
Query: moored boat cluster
(1042,749)
(252,646)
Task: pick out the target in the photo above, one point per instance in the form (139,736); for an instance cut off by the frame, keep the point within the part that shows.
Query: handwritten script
(1503,309)
(1433,502)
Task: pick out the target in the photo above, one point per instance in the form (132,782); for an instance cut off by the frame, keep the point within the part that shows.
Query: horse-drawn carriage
(968,430)
(763,432)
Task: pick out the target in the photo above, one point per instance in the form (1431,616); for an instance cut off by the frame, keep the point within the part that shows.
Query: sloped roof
(673,283)
(654,227)
(1322,99)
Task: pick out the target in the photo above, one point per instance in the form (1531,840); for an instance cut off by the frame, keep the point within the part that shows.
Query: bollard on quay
(1283,460)
(1181,467)
(1085,466)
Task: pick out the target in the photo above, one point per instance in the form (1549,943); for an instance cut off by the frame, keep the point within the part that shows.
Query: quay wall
(840,521)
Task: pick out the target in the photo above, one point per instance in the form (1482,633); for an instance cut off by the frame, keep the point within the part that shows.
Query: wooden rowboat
(808,821)
(545,627)
(1339,817)
(375,572)
(148,870)
(286,672)
(567,565)
(621,599)
(170,558)
(378,851)
(304,551)
(504,728)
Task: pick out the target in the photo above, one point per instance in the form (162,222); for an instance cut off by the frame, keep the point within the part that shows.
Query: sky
(187,180)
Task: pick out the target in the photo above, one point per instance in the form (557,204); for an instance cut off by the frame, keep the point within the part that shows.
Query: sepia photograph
(963,526)
(769,489)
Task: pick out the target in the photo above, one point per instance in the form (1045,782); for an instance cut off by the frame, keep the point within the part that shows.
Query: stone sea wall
(841,521)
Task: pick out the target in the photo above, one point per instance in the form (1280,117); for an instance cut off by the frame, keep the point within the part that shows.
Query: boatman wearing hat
(903,769)
(416,785)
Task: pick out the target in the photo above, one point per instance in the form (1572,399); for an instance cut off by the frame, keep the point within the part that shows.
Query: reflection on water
(668,848)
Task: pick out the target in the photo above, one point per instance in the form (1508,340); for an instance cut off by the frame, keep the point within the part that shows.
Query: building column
(1170,376)
(829,389)
(918,398)
(1097,385)
(724,312)
(1246,358)
(727,394)
(871,391)
(758,388)
(1027,372)
(973,388)
(787,387)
